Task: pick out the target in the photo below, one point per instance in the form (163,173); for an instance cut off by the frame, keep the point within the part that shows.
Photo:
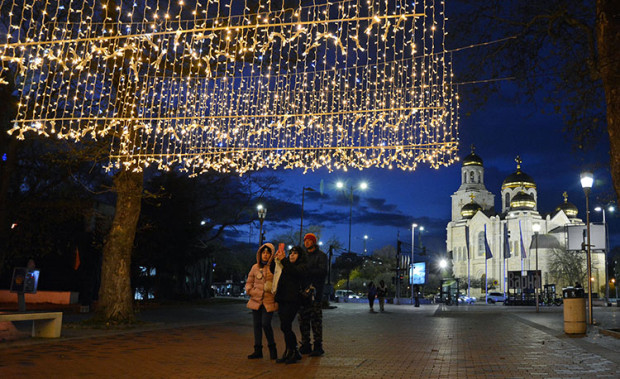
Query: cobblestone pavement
(432,341)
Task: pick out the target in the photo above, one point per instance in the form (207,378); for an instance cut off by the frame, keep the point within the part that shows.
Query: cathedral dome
(523,201)
(569,208)
(470,209)
(518,179)
(472,158)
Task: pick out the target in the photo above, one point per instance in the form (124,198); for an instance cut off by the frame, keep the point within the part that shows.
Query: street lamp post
(587,179)
(262,213)
(365,239)
(610,208)
(413,226)
(362,186)
(536,228)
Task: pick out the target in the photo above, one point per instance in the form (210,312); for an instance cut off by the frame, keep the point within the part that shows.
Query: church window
(507,200)
(480,243)
(478,177)
(471,176)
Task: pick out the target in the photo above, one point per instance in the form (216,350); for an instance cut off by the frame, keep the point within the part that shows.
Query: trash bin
(574,311)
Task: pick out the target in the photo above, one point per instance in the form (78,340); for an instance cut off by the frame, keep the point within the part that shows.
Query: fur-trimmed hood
(273,253)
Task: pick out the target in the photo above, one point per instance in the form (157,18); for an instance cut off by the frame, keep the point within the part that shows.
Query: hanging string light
(237,85)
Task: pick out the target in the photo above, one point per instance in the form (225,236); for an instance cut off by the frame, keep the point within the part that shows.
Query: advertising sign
(417,274)
(24,280)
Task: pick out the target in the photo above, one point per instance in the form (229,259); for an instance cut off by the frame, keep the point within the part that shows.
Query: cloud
(379,204)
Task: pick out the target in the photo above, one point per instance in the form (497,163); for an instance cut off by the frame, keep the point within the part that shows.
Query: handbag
(307,294)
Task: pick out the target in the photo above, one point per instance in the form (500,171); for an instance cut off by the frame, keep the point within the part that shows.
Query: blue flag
(487,248)
(467,239)
(523,255)
(506,242)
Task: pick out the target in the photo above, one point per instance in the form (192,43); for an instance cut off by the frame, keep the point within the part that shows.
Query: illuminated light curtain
(235,85)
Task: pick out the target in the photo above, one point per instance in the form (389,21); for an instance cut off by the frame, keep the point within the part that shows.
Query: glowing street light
(363,186)
(262,213)
(587,180)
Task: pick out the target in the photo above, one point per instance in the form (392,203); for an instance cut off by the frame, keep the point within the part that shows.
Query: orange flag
(76,265)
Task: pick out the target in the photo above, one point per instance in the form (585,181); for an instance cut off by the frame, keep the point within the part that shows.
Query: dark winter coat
(291,281)
(315,268)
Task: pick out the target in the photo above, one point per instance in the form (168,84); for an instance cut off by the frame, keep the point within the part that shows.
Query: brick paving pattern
(432,341)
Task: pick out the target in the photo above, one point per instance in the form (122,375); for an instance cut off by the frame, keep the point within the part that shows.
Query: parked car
(346,294)
(464,299)
(494,297)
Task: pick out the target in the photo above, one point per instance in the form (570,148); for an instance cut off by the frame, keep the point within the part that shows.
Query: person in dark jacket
(372,293)
(315,269)
(288,298)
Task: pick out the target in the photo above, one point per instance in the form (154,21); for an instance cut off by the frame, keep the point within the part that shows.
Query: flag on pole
(467,239)
(506,242)
(523,255)
(487,248)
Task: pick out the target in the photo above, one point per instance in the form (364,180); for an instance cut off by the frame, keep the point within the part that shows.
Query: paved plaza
(433,341)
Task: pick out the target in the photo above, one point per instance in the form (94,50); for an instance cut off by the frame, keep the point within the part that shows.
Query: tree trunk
(115,297)
(608,38)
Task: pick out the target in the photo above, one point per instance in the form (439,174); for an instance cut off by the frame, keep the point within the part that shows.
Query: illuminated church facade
(510,234)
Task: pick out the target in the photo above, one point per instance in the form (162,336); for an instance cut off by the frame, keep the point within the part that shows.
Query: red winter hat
(310,236)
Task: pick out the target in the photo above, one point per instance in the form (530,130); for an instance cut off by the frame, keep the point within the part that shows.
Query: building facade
(511,234)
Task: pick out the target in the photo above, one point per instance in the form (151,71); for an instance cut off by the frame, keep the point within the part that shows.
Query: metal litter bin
(574,311)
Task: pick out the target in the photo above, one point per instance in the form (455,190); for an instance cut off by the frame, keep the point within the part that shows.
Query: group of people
(291,285)
(379,292)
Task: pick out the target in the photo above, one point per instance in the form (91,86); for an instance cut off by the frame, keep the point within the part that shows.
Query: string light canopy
(237,85)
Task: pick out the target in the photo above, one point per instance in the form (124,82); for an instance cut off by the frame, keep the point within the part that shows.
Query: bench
(44,324)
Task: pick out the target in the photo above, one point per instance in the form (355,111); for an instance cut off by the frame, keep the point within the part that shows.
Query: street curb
(610,332)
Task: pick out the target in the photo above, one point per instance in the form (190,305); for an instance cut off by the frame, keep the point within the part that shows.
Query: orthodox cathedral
(487,245)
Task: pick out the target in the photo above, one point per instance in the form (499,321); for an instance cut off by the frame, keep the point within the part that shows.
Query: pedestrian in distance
(381,294)
(288,297)
(372,294)
(311,314)
(416,293)
(262,301)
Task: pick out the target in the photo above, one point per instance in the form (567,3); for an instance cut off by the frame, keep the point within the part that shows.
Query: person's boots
(305,348)
(293,357)
(273,353)
(285,356)
(318,350)
(258,352)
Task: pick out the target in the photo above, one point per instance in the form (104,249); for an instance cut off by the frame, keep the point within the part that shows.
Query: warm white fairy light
(237,85)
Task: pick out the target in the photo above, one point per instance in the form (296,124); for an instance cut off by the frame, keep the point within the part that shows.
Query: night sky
(395,199)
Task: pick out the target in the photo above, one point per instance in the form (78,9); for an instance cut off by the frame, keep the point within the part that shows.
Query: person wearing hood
(288,297)
(262,301)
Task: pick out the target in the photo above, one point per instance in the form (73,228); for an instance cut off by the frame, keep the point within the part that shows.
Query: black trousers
(262,321)
(287,312)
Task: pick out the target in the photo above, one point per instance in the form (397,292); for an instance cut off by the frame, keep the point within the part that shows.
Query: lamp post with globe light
(587,180)
(262,213)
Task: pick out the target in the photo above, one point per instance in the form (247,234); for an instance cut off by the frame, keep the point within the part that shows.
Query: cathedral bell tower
(472,183)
